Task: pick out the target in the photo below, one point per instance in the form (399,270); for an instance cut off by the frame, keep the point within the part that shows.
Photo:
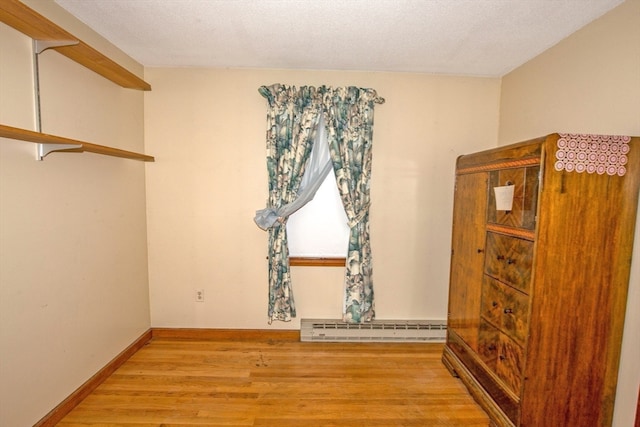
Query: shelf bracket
(44,149)
(40,46)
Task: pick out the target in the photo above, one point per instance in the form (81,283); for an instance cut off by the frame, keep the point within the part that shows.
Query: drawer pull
(502,357)
(500,257)
(494,304)
(508,311)
(511,261)
(492,347)
(480,250)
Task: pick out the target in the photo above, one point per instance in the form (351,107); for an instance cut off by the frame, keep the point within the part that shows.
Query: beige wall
(73,236)
(207,131)
(73,257)
(588,83)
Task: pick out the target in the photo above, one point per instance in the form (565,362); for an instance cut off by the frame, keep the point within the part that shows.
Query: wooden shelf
(74,145)
(29,22)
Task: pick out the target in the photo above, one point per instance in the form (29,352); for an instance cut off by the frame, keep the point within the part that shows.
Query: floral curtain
(292,121)
(349,116)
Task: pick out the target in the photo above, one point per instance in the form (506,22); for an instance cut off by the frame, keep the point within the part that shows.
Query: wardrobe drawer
(499,390)
(502,355)
(509,363)
(488,338)
(509,260)
(525,197)
(506,308)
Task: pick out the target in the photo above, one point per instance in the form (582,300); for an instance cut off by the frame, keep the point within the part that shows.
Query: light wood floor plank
(172,382)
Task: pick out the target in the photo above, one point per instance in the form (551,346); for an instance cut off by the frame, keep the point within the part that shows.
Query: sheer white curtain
(318,167)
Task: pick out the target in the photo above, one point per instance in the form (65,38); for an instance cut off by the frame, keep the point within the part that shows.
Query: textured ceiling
(459,37)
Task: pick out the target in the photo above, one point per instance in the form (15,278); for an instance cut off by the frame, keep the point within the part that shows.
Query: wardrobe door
(467,256)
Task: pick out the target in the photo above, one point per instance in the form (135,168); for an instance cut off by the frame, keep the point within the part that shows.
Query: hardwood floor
(280,383)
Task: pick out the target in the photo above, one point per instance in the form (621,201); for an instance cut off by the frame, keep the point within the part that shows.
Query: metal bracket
(44,149)
(40,46)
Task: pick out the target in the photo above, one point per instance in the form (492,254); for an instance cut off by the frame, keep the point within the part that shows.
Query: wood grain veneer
(541,345)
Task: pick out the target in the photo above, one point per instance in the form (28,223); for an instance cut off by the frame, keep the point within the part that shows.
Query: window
(319,229)
(318,233)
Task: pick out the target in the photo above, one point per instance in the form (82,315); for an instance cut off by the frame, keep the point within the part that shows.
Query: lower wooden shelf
(72,144)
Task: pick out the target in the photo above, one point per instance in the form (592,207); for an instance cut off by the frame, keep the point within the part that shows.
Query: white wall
(588,83)
(73,258)
(207,131)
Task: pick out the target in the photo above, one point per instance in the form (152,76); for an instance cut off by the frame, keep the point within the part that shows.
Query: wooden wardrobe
(538,287)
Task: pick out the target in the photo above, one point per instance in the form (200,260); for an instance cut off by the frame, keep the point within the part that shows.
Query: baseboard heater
(325,330)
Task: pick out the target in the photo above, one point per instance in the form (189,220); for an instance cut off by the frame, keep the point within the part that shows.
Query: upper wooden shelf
(68,145)
(29,22)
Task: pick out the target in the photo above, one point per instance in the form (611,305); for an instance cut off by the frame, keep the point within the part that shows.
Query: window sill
(297,261)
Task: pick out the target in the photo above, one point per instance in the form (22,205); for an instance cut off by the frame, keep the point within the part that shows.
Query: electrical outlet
(199,295)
